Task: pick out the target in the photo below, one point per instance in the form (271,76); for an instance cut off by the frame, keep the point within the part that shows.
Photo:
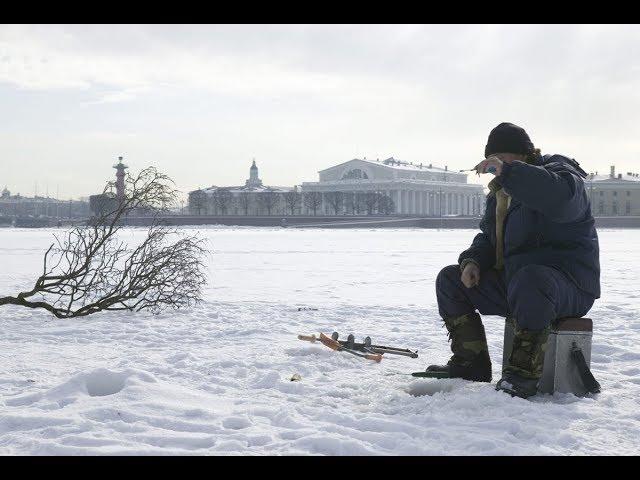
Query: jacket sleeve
(557,193)
(482,251)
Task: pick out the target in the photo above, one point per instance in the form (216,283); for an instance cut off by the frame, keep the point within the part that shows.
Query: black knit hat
(508,138)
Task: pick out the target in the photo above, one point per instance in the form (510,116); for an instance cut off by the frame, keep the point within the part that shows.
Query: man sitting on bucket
(535,260)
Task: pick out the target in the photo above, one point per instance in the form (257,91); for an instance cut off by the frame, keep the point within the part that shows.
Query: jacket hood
(565,161)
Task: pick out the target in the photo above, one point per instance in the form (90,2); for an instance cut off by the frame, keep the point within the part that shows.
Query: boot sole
(431,374)
(428,374)
(515,393)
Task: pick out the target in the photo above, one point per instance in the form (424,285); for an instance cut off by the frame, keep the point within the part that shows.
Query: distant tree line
(272,202)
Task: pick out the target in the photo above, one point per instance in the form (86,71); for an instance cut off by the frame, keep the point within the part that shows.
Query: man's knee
(448,278)
(532,297)
(531,276)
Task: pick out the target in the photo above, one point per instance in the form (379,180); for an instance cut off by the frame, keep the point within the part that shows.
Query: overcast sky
(199,102)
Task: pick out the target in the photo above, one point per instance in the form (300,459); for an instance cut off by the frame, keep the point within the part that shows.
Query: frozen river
(216,379)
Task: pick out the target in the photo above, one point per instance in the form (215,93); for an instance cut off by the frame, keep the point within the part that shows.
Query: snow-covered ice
(216,379)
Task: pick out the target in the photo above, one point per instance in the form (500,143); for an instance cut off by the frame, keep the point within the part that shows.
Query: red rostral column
(120,168)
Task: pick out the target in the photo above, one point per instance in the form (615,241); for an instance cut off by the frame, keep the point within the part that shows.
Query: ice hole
(421,389)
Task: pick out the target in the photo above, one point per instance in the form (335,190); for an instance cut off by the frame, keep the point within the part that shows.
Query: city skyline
(200,102)
(38,192)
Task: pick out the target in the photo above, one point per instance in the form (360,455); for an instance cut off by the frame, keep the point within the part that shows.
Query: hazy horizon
(201,101)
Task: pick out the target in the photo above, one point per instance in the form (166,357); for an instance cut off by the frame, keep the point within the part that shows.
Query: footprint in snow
(236,423)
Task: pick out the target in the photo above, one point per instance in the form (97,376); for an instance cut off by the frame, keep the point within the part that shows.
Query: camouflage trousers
(468,339)
(528,351)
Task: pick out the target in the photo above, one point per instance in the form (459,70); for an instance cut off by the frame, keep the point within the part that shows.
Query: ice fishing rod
(351,344)
(333,344)
(491,169)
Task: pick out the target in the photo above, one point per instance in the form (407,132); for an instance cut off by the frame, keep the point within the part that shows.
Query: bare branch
(335,200)
(312,200)
(293,199)
(268,199)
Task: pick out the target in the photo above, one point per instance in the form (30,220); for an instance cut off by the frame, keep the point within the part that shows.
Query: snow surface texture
(216,379)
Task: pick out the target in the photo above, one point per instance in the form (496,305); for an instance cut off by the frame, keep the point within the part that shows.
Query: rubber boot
(470,360)
(523,372)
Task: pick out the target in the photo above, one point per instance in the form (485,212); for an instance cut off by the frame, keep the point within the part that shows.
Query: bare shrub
(90,269)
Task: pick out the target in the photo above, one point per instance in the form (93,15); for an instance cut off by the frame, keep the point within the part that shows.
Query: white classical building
(614,194)
(415,189)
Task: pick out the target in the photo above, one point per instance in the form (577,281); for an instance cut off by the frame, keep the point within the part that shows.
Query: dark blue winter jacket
(549,222)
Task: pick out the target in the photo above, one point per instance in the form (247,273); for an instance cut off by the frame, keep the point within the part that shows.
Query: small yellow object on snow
(296,377)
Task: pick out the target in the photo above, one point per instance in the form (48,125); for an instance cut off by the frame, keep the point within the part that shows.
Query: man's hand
(491,164)
(470,275)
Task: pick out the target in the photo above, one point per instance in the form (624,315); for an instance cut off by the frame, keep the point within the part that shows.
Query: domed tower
(253,181)
(120,168)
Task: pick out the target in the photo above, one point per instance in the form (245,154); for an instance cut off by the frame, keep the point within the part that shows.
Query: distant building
(252,198)
(38,206)
(614,194)
(414,189)
(104,203)
(120,168)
